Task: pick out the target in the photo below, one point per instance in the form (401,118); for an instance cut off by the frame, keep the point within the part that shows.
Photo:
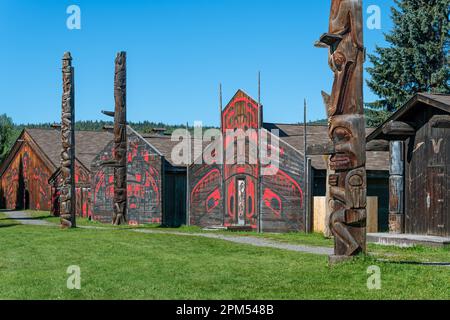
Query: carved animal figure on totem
(120,140)
(348,183)
(67,196)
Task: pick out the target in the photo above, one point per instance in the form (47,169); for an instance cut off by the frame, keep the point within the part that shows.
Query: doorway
(27,200)
(241,203)
(436,198)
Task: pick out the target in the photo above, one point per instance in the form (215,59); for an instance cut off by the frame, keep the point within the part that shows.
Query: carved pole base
(65,220)
(119,220)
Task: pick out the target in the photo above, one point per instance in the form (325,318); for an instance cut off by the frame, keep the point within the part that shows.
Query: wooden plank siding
(282,200)
(24,183)
(427,178)
(144,179)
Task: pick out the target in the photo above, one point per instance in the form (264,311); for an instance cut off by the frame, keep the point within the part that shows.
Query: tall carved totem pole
(120,139)
(67,192)
(347,178)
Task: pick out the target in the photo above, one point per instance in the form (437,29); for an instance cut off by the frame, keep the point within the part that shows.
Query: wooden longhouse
(419,136)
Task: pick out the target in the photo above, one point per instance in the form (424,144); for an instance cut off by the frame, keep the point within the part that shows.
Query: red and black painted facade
(144,182)
(83,206)
(234,194)
(23,184)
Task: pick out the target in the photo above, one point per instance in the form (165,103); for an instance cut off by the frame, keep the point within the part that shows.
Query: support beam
(320,149)
(377,145)
(398,128)
(109,113)
(440,121)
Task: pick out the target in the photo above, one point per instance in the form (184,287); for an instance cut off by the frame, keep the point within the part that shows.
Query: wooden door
(174,199)
(436,201)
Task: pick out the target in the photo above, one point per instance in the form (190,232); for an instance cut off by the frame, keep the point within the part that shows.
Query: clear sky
(178,52)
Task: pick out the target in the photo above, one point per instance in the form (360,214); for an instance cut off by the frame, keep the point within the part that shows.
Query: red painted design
(213,201)
(272,201)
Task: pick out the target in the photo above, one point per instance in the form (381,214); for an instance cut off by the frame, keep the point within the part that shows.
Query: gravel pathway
(26,218)
(254,241)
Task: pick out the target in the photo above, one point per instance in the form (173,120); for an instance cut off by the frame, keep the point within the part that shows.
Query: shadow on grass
(417,263)
(8,225)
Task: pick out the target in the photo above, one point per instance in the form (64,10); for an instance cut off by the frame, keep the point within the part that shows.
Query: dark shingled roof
(88,144)
(318,134)
(165,145)
(289,133)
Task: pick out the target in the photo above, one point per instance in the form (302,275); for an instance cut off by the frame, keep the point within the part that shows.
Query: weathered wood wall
(82,189)
(283,195)
(234,194)
(144,183)
(241,113)
(205,195)
(24,184)
(427,210)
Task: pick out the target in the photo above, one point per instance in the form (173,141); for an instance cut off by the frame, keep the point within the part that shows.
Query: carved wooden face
(348,136)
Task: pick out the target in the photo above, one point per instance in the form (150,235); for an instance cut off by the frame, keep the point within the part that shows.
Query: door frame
(238,180)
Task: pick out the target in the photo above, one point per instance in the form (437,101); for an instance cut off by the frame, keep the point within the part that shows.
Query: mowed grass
(117,263)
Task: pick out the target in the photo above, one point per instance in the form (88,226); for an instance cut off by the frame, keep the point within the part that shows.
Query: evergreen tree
(6,135)
(417,60)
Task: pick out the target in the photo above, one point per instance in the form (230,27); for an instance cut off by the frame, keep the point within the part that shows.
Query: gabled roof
(240,94)
(164,145)
(416,104)
(48,143)
(318,134)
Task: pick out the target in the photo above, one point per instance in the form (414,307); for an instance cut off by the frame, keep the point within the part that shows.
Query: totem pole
(120,139)
(67,197)
(346,122)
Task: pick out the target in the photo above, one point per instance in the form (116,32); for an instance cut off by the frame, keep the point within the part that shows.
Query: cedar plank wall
(280,199)
(240,113)
(427,178)
(144,174)
(82,190)
(282,196)
(26,169)
(205,198)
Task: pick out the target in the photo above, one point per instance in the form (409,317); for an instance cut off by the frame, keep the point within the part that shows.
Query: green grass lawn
(119,264)
(414,254)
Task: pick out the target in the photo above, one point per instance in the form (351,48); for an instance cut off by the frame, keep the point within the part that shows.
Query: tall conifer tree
(417,59)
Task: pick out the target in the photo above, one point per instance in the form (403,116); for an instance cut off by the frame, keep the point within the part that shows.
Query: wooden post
(222,130)
(308,196)
(188,194)
(68,193)
(258,148)
(120,139)
(306,213)
(345,109)
(396,187)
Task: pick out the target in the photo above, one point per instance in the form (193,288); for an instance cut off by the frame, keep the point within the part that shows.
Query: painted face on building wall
(346,132)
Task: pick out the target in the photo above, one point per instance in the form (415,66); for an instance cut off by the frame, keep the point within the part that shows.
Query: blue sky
(178,52)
